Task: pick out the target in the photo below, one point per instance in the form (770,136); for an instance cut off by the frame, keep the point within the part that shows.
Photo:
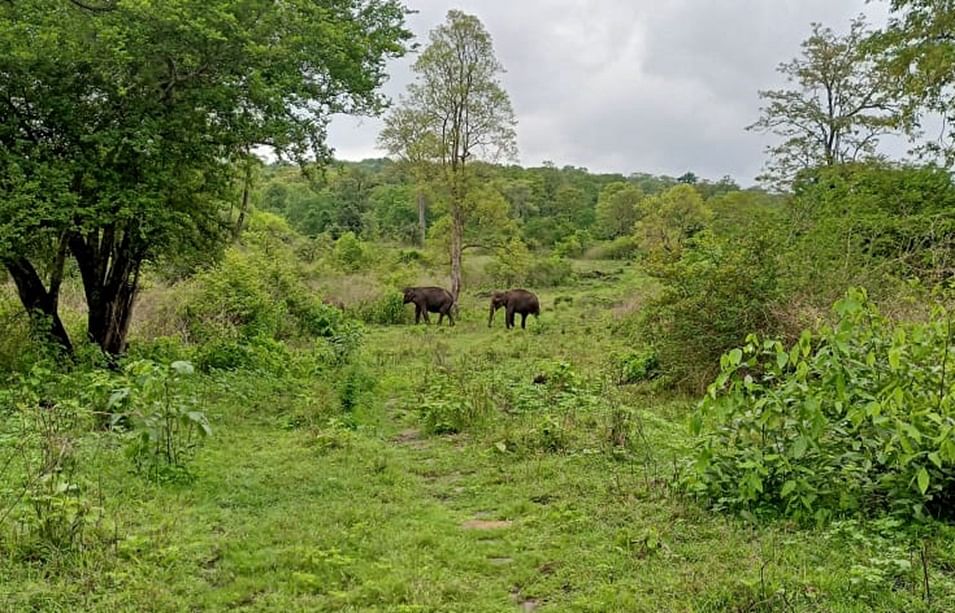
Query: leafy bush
(350,252)
(262,354)
(712,298)
(44,491)
(637,366)
(858,224)
(449,408)
(239,312)
(510,265)
(17,347)
(571,246)
(162,412)
(232,300)
(857,419)
(550,272)
(622,248)
(389,309)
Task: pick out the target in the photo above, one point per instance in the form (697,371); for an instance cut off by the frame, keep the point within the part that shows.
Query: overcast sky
(660,86)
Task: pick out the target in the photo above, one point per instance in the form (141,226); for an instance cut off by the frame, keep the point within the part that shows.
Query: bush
(637,366)
(240,311)
(571,246)
(350,252)
(232,301)
(550,272)
(622,248)
(389,309)
(856,419)
(162,411)
(17,347)
(862,224)
(712,298)
(510,265)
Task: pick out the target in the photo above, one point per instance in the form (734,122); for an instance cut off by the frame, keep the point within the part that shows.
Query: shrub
(456,402)
(239,311)
(857,419)
(44,492)
(510,265)
(637,366)
(350,252)
(389,309)
(162,411)
(550,272)
(712,298)
(17,347)
(571,246)
(858,224)
(622,248)
(232,301)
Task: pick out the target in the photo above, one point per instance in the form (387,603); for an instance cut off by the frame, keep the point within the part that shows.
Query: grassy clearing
(555,495)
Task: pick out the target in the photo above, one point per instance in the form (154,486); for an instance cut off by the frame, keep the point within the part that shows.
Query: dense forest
(215,393)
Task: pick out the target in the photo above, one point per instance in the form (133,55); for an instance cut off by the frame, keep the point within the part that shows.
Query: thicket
(761,266)
(857,418)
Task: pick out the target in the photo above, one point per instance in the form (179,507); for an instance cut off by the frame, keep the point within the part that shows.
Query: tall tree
(408,136)
(840,104)
(459,103)
(122,120)
(920,51)
(618,208)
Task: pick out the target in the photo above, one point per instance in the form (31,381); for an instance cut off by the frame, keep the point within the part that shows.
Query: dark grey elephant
(430,300)
(514,301)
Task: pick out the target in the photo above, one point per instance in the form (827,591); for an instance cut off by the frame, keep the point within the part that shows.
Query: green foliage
(840,102)
(622,248)
(160,407)
(860,224)
(571,246)
(18,347)
(233,300)
(855,419)
(49,506)
(712,298)
(389,309)
(919,53)
(119,115)
(239,313)
(671,220)
(637,366)
(551,271)
(510,265)
(350,253)
(618,209)
(450,405)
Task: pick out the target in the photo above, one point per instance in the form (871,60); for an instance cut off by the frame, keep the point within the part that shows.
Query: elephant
(430,299)
(514,301)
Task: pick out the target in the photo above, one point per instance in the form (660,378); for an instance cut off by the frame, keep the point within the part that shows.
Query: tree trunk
(457,241)
(38,302)
(244,209)
(422,210)
(110,268)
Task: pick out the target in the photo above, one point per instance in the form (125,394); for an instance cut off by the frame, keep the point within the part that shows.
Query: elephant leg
(427,318)
(523,321)
(440,317)
(509,317)
(417,314)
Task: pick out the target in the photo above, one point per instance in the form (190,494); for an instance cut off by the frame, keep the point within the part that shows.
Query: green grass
(291,511)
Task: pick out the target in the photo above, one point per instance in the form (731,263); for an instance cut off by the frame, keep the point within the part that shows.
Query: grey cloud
(659,86)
